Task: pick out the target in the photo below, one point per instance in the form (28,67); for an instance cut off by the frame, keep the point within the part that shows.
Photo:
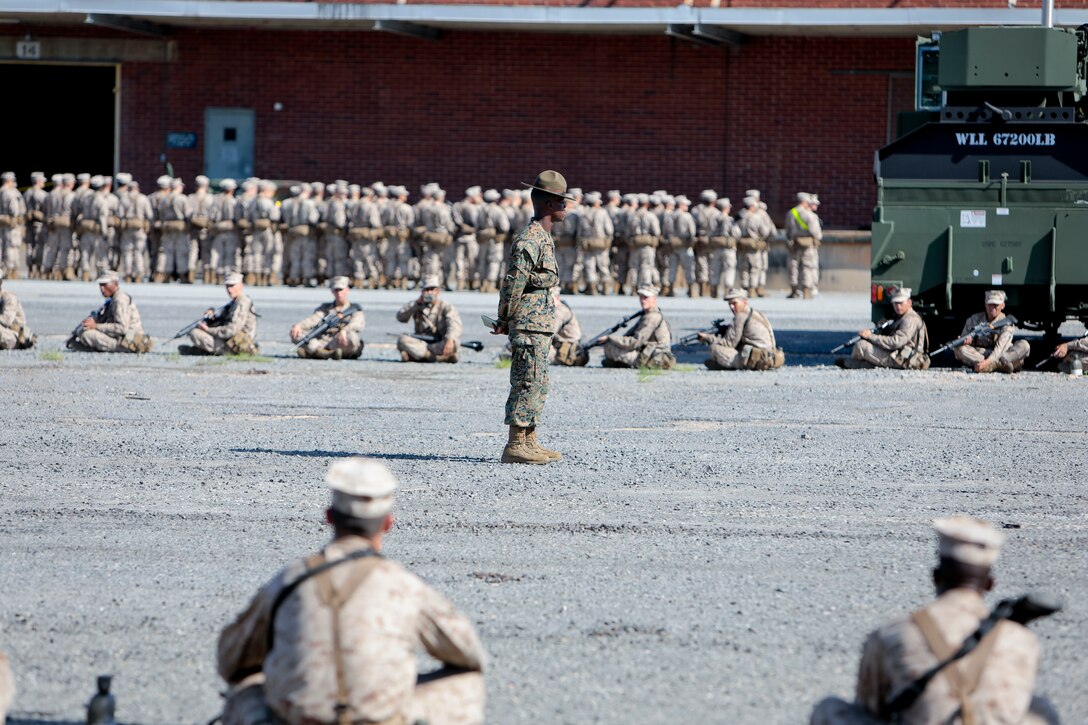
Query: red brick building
(630,94)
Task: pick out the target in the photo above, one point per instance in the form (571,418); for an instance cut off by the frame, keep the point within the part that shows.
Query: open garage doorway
(67,119)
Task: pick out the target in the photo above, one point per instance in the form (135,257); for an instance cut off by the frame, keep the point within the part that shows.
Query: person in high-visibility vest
(804,234)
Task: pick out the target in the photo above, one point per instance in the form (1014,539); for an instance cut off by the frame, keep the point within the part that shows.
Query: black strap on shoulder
(290,588)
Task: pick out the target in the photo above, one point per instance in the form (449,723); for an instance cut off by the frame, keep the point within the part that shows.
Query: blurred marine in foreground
(332,638)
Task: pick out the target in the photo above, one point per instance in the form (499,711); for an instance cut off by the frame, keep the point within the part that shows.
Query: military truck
(987,185)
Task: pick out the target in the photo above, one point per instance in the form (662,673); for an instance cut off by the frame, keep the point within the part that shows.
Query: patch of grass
(52,356)
(504,363)
(249,358)
(645,375)
(686,368)
(173,357)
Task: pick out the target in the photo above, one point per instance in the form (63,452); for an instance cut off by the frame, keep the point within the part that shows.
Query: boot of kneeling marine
(519,450)
(137,343)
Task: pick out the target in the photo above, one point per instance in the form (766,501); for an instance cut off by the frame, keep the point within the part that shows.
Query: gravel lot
(713,548)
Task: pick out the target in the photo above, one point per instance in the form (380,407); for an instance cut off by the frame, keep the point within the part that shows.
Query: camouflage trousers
(239,344)
(1066,364)
(328,346)
(446,697)
(1013,357)
(528,377)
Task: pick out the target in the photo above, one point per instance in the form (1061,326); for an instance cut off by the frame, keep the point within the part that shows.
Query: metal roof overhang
(709,24)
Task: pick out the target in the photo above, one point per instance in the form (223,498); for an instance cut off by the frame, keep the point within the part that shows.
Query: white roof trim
(358,16)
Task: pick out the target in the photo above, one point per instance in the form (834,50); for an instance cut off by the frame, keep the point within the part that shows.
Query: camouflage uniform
(200,207)
(644,234)
(897,348)
(13,327)
(707,218)
(223,255)
(366,232)
(647,344)
(897,654)
(493,231)
(565,234)
(996,345)
(236,333)
(173,215)
(34,202)
(118,328)
(1078,350)
(567,340)
(461,256)
(527,308)
(722,259)
(755,228)
(57,255)
(386,615)
(749,344)
(326,345)
(804,233)
(136,216)
(680,238)
(440,321)
(437,219)
(260,254)
(595,235)
(12,219)
(398,256)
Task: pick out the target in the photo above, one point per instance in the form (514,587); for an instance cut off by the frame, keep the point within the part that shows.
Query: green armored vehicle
(988,185)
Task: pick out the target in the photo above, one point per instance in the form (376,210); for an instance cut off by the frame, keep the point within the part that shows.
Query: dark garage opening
(67,119)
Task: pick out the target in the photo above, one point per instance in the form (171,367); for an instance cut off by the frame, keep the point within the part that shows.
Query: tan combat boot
(807,293)
(272,280)
(531,438)
(705,289)
(518,449)
(158,277)
(250,278)
(761,292)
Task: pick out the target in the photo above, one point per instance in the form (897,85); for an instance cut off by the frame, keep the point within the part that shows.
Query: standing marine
(527,314)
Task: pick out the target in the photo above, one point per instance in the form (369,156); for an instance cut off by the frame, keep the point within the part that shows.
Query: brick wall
(635,113)
(640,113)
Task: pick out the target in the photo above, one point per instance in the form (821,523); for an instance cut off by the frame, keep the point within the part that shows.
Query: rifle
(977,330)
(332,321)
(717,327)
(1021,610)
(1050,357)
(879,327)
(216,316)
(587,346)
(79,327)
(471,344)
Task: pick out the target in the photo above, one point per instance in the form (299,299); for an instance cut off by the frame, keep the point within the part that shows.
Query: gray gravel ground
(713,548)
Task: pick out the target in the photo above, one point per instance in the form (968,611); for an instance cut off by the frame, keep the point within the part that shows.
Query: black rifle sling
(311,572)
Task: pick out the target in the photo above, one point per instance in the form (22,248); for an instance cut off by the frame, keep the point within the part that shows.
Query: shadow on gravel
(803,348)
(349,454)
